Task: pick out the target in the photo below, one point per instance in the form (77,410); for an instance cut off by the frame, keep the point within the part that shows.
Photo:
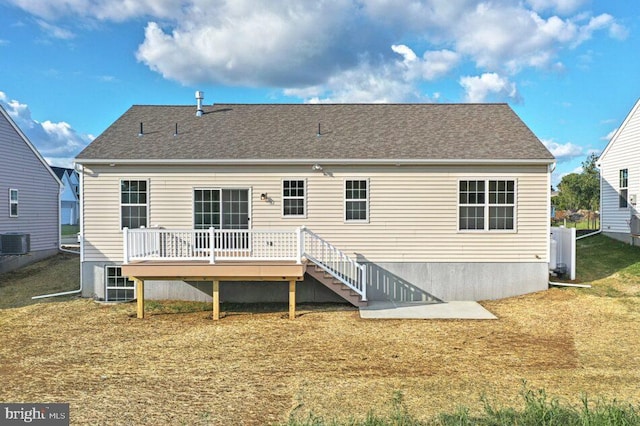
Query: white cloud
(489,86)
(563,152)
(55,31)
(112,10)
(312,45)
(57,142)
(282,44)
(559,6)
(609,135)
(364,84)
(434,64)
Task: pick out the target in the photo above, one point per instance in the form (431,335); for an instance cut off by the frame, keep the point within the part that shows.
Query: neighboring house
(29,200)
(403,202)
(620,180)
(70,196)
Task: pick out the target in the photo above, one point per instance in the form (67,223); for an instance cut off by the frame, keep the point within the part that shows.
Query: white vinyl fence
(563,250)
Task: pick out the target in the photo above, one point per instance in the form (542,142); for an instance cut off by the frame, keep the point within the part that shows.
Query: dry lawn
(259,367)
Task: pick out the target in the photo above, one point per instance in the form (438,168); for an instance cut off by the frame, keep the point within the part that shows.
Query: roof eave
(323,161)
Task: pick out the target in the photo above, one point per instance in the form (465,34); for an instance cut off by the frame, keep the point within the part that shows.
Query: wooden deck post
(140,297)
(216,300)
(292,299)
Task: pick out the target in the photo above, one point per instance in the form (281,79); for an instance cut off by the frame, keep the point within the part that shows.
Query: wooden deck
(287,271)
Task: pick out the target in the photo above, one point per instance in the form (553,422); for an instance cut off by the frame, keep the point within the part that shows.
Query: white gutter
(310,161)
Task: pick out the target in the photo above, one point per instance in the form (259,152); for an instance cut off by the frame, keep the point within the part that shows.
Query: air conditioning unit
(634,224)
(15,243)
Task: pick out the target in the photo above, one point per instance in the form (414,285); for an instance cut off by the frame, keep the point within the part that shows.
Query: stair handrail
(335,262)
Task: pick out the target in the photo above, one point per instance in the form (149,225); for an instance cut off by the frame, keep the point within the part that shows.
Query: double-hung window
(133,203)
(293,198)
(624,188)
(13,203)
(356,200)
(486,205)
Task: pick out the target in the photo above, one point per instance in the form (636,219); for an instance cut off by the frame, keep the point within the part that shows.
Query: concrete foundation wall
(625,237)
(387,281)
(454,281)
(12,262)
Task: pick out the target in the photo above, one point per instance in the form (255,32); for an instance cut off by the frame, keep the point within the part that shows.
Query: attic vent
(15,243)
(199,99)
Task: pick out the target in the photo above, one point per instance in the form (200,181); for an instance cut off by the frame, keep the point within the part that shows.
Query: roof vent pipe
(199,98)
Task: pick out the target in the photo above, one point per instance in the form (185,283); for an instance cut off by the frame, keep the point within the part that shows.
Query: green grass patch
(59,273)
(538,409)
(600,256)
(582,224)
(69,230)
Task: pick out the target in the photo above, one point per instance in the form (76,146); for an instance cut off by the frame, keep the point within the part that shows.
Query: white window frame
(294,197)
(107,287)
(347,200)
(14,202)
(121,204)
(624,188)
(486,206)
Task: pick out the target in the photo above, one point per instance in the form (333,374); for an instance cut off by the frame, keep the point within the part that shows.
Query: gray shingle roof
(348,131)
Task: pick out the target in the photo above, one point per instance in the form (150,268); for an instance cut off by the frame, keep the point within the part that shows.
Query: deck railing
(243,244)
(210,245)
(335,262)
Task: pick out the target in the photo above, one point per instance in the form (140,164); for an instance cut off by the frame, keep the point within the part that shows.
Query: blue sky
(569,68)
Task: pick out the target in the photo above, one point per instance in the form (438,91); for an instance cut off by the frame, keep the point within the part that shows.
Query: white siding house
(29,200)
(70,196)
(620,179)
(447,202)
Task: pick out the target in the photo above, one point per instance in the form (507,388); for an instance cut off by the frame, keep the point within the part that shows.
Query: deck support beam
(292,299)
(140,297)
(216,300)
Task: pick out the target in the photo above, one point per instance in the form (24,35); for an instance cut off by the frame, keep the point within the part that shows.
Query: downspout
(589,235)
(569,285)
(66,293)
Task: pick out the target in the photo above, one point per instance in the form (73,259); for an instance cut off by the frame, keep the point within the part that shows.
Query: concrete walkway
(425,310)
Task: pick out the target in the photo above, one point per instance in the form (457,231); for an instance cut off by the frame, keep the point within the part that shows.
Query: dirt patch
(259,367)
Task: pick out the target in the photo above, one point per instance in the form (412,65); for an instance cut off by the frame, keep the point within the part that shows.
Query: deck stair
(335,285)
(333,268)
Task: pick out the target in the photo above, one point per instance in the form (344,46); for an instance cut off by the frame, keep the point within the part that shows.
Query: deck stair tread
(334,285)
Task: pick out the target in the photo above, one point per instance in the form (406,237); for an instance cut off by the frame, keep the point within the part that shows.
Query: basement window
(118,288)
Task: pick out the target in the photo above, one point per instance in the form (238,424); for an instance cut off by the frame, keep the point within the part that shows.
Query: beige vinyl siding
(412,209)
(623,152)
(38,191)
